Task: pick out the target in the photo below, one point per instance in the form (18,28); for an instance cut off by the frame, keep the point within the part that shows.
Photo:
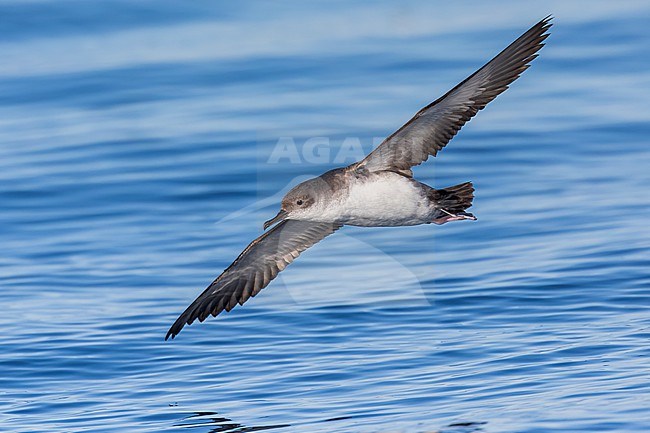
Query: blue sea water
(137,146)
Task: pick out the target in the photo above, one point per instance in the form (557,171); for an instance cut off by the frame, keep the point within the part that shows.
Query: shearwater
(378,191)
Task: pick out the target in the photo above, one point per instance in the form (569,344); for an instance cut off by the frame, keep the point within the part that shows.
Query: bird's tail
(453,202)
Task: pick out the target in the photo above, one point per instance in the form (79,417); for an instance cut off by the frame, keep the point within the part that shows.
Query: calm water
(135,158)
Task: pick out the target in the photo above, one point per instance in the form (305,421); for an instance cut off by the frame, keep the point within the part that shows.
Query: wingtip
(547,22)
(175,329)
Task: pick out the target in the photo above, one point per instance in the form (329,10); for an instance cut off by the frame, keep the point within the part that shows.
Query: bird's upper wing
(436,124)
(254,269)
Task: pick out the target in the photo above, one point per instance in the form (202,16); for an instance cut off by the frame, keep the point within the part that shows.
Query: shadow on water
(464,427)
(220,424)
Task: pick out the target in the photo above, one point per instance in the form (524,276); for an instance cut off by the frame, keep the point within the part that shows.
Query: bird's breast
(382,199)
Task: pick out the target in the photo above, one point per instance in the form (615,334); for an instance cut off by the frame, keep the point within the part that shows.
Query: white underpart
(386,199)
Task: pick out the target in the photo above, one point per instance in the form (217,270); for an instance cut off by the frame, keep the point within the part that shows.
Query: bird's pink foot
(453,217)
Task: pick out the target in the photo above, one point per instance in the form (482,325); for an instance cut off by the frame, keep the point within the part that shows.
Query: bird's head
(299,203)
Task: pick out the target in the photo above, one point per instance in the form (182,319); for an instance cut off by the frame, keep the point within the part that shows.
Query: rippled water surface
(136,144)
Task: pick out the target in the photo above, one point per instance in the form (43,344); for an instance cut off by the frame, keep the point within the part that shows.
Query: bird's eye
(299,202)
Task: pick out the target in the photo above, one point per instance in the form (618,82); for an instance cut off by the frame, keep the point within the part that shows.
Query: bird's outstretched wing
(436,124)
(254,269)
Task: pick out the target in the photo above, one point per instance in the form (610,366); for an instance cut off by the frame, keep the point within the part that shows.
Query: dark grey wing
(436,124)
(254,269)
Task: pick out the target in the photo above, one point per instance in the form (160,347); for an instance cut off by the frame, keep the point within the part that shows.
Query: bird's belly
(385,201)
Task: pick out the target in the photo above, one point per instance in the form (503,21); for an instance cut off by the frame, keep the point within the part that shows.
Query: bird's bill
(281,216)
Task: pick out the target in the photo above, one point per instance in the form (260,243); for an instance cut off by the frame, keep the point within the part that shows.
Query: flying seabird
(378,191)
